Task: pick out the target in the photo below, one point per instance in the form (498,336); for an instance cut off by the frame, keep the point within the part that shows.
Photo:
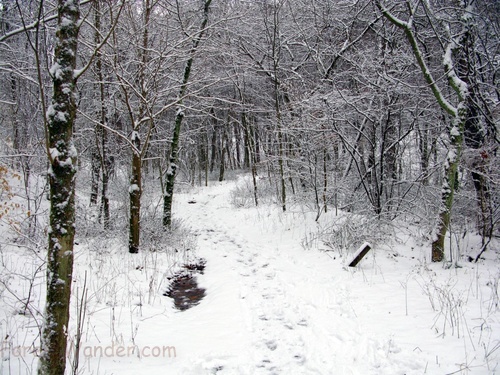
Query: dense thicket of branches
(324,102)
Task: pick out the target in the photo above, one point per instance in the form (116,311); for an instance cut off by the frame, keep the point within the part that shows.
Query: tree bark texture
(62,155)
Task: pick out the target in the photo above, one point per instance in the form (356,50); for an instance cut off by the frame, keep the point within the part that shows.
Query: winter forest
(198,175)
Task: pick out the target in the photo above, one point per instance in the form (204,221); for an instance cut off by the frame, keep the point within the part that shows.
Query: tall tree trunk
(135,192)
(282,170)
(458,114)
(95,167)
(179,117)
(449,183)
(474,137)
(14,107)
(483,201)
(172,169)
(256,138)
(281,147)
(246,142)
(205,148)
(250,149)
(135,188)
(106,171)
(202,158)
(63,158)
(223,152)
(237,145)
(325,179)
(423,145)
(213,143)
(102,133)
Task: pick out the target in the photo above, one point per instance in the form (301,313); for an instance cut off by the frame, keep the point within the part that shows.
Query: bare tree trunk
(95,168)
(250,152)
(458,114)
(202,157)
(135,192)
(102,133)
(448,188)
(135,188)
(281,145)
(325,179)
(16,126)
(172,169)
(106,171)
(63,157)
(223,152)
(179,117)
(281,169)
(237,145)
(475,139)
(423,145)
(213,144)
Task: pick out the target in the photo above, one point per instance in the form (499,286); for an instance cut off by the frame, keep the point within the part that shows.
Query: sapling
(81,309)
(404,284)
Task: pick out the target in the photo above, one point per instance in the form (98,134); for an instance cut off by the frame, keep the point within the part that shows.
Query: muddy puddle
(184,289)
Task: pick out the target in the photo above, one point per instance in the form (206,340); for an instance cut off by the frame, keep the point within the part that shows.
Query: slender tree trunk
(106,171)
(423,145)
(281,147)
(282,171)
(206,158)
(449,182)
(458,114)
(483,200)
(202,156)
(325,179)
(95,168)
(135,192)
(313,172)
(135,188)
(102,133)
(250,156)
(179,117)
(223,152)
(213,147)
(63,163)
(390,157)
(246,142)
(172,169)
(237,138)
(192,164)
(257,150)
(475,136)
(16,126)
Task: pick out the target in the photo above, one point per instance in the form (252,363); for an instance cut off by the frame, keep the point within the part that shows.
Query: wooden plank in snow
(362,251)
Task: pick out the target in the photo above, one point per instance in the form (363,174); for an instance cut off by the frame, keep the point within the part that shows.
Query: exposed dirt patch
(184,289)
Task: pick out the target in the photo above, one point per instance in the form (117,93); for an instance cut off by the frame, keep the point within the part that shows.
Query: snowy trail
(296,314)
(274,304)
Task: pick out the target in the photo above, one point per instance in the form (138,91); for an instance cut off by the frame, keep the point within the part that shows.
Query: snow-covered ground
(275,303)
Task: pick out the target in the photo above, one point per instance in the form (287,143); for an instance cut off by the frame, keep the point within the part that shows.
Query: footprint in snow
(270,276)
(302,323)
(271,345)
(299,359)
(267,364)
(268,296)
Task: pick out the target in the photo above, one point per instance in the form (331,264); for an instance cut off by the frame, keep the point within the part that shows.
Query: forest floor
(277,301)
